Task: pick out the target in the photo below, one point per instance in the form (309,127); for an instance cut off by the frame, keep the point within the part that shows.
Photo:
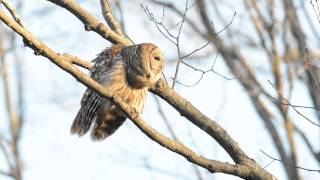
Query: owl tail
(81,124)
(103,128)
(90,105)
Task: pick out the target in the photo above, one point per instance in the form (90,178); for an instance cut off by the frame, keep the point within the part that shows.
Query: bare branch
(290,165)
(286,102)
(12,12)
(248,171)
(75,60)
(159,24)
(91,23)
(308,143)
(187,110)
(5,153)
(245,168)
(194,51)
(109,17)
(316,9)
(174,39)
(308,68)
(4,173)
(203,72)
(165,119)
(236,62)
(173,134)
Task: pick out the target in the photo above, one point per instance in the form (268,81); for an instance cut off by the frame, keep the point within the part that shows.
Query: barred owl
(126,70)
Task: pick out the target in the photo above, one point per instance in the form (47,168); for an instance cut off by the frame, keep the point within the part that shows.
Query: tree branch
(245,171)
(108,16)
(75,60)
(169,95)
(12,12)
(91,23)
(245,168)
(186,109)
(4,173)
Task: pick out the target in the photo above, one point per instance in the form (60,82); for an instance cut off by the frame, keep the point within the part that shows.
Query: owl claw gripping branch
(126,70)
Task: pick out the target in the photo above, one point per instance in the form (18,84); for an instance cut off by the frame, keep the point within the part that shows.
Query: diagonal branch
(248,171)
(108,16)
(169,95)
(174,136)
(12,12)
(90,22)
(315,154)
(75,60)
(245,168)
(187,110)
(4,173)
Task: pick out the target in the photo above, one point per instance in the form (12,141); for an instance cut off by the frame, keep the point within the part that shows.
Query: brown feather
(125,70)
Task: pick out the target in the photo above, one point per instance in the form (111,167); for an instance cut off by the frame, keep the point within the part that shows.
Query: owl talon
(134,113)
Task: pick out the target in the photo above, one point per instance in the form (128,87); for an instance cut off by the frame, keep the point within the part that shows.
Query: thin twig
(315,7)
(5,153)
(165,119)
(290,165)
(315,154)
(159,24)
(203,72)
(175,39)
(178,45)
(288,103)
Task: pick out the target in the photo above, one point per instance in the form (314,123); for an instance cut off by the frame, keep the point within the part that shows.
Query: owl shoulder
(106,60)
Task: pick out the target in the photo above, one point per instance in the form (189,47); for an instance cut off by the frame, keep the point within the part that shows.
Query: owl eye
(157,58)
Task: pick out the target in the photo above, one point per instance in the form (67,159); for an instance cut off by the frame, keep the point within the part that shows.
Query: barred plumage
(127,70)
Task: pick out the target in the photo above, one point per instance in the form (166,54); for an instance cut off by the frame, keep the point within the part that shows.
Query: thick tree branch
(109,17)
(174,136)
(12,12)
(169,95)
(91,23)
(187,110)
(248,171)
(246,167)
(237,63)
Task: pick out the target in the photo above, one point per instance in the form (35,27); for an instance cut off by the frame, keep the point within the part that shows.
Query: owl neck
(135,80)
(135,75)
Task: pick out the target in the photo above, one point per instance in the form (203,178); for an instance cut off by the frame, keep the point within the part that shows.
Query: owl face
(144,67)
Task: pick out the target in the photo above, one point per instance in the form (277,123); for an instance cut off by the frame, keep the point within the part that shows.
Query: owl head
(143,64)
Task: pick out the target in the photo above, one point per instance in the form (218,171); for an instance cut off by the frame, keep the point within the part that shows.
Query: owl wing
(91,101)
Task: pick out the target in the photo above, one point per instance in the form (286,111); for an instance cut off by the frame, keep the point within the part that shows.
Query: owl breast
(116,82)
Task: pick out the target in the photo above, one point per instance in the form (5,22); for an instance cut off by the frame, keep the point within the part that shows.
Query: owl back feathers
(98,113)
